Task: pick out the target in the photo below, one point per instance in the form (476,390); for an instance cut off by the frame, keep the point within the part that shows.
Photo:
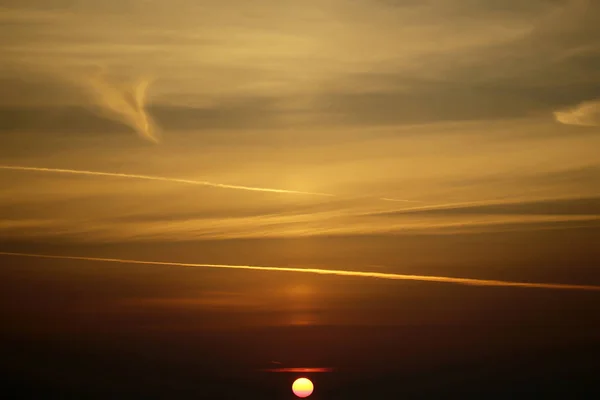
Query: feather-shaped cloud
(125,104)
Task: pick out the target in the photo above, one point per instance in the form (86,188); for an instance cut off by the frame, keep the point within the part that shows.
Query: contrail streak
(337,272)
(175,180)
(156,178)
(399,200)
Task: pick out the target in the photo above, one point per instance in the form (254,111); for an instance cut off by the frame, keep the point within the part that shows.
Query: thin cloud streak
(318,271)
(585,206)
(176,180)
(399,200)
(298,370)
(156,178)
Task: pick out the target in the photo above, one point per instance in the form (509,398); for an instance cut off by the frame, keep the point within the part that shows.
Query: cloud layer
(318,63)
(444,101)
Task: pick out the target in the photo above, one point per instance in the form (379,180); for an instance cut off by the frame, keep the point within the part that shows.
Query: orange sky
(405,193)
(445,138)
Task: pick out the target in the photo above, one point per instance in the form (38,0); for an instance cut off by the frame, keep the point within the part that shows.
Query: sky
(455,139)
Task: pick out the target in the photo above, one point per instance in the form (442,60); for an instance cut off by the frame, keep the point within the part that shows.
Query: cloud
(155,178)
(584,114)
(50,99)
(435,61)
(272,95)
(76,120)
(319,271)
(563,207)
(123,103)
(92,103)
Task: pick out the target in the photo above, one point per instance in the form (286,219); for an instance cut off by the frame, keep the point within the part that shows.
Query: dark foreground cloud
(491,61)
(420,102)
(425,104)
(81,120)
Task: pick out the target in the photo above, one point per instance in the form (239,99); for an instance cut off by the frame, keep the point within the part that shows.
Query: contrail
(174,180)
(156,178)
(337,272)
(399,200)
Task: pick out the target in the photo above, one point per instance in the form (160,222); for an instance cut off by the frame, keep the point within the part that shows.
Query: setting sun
(302,387)
(228,199)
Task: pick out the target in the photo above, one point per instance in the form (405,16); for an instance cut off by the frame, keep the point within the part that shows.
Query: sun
(302,387)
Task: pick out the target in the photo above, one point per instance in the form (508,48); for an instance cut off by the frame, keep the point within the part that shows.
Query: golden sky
(437,102)
(193,187)
(392,117)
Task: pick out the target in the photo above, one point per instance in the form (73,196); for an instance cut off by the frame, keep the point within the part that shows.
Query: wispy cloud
(570,206)
(125,104)
(155,178)
(352,98)
(584,114)
(179,180)
(305,213)
(337,272)
(313,55)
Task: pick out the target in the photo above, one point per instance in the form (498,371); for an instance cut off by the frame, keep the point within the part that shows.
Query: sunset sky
(445,138)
